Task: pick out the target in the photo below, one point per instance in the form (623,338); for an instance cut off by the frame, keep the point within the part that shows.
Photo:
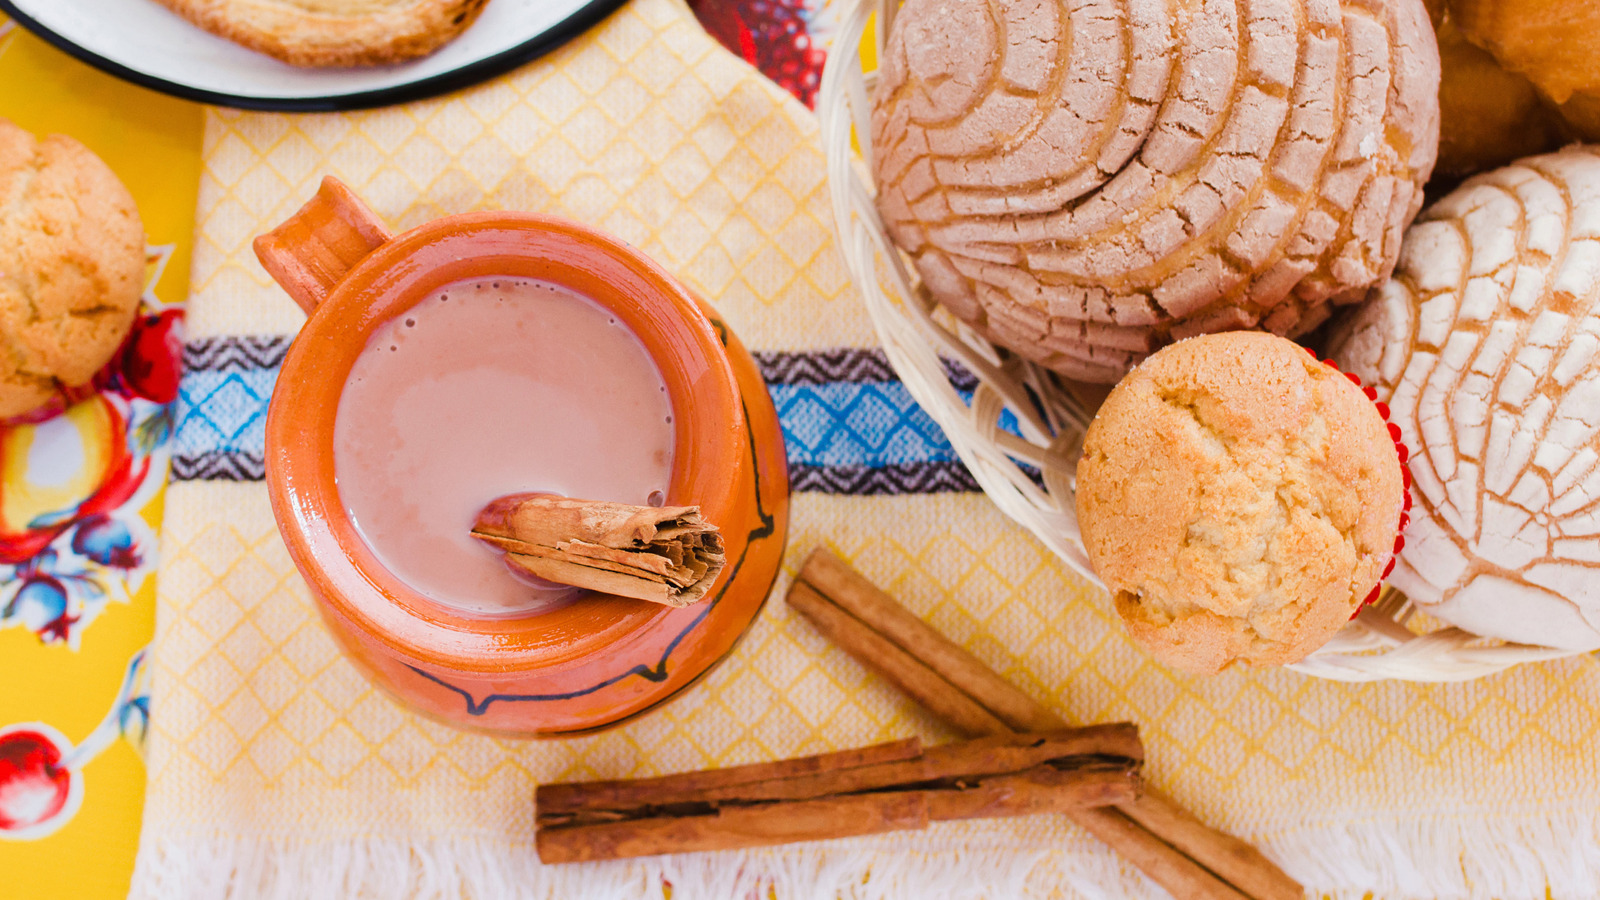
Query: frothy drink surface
(488,388)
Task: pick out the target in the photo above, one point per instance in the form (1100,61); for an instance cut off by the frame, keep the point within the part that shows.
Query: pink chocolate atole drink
(489,388)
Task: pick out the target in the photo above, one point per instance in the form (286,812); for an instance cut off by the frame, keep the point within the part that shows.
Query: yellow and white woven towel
(277,771)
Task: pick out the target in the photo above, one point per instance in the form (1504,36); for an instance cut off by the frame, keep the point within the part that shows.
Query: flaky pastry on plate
(330,33)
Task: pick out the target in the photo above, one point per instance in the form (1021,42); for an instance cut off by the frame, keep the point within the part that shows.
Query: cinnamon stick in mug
(668,555)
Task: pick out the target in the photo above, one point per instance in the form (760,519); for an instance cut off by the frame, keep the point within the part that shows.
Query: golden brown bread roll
(1240,499)
(1555,44)
(1581,113)
(71,266)
(1486,345)
(1552,42)
(329,33)
(1487,115)
(1084,182)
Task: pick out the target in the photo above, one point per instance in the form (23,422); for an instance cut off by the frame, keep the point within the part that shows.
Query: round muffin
(1240,500)
(71,266)
(1085,182)
(1486,345)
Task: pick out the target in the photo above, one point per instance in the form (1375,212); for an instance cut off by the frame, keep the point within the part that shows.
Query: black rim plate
(422,88)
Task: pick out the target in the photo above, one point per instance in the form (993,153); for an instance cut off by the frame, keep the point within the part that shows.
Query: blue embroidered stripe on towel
(850,425)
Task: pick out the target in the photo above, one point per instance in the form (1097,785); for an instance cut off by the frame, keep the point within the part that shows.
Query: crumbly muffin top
(71,266)
(1239,498)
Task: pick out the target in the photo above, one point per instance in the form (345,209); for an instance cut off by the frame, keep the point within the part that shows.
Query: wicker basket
(1031,477)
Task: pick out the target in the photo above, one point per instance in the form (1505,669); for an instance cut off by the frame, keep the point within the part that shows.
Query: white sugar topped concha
(1486,345)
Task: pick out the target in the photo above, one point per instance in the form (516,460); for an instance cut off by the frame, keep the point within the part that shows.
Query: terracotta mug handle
(312,250)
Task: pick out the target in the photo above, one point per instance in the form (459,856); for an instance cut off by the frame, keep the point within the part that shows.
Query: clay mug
(583,666)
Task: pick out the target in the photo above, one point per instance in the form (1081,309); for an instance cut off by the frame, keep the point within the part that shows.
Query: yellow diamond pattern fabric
(276,770)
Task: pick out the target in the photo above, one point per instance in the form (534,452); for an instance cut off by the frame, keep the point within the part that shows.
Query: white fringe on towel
(1507,856)
(1446,860)
(454,868)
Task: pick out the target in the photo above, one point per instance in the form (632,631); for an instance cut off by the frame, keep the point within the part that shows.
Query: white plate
(144,42)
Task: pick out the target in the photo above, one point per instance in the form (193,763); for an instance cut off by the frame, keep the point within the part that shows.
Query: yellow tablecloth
(71,683)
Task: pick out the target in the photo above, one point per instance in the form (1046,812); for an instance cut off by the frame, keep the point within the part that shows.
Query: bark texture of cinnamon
(890,787)
(668,555)
(1177,851)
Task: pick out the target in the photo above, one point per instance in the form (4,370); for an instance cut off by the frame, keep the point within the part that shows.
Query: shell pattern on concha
(1086,180)
(1486,345)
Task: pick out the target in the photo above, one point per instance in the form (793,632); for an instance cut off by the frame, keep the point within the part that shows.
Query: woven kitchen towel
(277,771)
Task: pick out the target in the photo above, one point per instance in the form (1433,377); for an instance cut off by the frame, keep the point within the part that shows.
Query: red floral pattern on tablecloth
(785,39)
(75,479)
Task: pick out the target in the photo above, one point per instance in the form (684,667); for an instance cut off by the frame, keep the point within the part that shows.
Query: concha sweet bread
(1240,499)
(1486,344)
(1086,181)
(71,267)
(330,33)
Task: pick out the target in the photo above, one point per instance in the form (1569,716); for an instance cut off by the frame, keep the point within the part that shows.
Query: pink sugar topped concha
(1086,182)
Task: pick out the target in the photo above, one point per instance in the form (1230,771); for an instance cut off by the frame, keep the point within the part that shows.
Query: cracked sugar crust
(71,266)
(1086,180)
(1486,345)
(1239,498)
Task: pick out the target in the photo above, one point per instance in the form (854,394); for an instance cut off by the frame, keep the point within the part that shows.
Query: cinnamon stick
(965,760)
(1076,750)
(1163,863)
(1033,792)
(838,794)
(668,555)
(1237,862)
(1176,850)
(1041,789)
(853,593)
(734,827)
(552,799)
(905,671)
